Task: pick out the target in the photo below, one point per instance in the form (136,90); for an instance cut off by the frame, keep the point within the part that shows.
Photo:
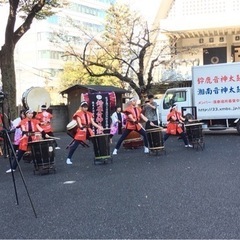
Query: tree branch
(27,23)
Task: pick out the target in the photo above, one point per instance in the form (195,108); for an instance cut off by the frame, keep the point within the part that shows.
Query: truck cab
(180,96)
(183,98)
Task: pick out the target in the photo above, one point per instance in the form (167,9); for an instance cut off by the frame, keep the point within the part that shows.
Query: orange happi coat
(130,124)
(45,121)
(86,120)
(23,144)
(173,126)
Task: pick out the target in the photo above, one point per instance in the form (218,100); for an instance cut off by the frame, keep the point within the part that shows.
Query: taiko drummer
(133,117)
(45,119)
(85,121)
(29,127)
(176,125)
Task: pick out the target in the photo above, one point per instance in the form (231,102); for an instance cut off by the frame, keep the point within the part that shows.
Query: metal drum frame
(101,145)
(43,154)
(155,140)
(194,133)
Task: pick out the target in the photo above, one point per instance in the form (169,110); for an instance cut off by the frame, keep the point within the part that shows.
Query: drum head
(35,97)
(72,124)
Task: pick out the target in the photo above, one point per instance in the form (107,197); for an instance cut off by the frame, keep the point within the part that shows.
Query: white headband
(83,103)
(133,99)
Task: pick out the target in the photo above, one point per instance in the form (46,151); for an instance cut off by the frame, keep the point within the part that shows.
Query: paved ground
(185,194)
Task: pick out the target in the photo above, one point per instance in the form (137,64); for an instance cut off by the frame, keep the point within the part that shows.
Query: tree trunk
(8,81)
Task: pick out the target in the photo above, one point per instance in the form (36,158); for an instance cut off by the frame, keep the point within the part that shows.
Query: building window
(211,40)
(221,39)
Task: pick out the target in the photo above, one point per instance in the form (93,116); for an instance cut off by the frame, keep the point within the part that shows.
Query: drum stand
(10,152)
(195,135)
(157,150)
(155,140)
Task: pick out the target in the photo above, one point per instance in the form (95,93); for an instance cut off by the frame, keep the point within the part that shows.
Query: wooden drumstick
(47,136)
(141,126)
(70,144)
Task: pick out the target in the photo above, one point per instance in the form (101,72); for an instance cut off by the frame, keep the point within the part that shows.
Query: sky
(148,8)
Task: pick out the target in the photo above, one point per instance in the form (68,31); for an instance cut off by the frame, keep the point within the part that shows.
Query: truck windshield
(172,97)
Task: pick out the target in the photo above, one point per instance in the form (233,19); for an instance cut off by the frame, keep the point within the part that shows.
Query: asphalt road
(185,194)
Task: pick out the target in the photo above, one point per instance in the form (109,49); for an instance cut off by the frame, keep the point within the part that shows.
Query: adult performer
(118,122)
(85,121)
(150,111)
(133,116)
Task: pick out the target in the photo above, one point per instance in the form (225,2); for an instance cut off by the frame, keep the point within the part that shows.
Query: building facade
(203,32)
(39,56)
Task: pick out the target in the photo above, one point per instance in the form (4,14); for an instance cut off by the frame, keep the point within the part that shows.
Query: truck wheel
(238,127)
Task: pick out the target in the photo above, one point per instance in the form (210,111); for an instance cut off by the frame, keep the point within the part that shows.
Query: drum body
(133,140)
(155,138)
(101,145)
(34,97)
(43,155)
(133,135)
(72,128)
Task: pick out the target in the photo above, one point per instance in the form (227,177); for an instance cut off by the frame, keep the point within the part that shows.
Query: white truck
(214,97)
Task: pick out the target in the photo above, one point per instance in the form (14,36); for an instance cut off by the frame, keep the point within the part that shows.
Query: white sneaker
(57,148)
(146,150)
(188,146)
(114,152)
(10,170)
(68,161)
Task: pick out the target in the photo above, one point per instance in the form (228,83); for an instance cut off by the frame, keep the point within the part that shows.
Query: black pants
(19,157)
(125,134)
(183,137)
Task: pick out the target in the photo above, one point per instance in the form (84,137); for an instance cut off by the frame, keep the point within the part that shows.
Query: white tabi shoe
(10,170)
(68,161)
(114,152)
(146,150)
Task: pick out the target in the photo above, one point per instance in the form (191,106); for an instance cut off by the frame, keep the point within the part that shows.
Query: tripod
(9,152)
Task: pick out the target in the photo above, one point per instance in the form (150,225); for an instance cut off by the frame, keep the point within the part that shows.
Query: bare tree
(123,50)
